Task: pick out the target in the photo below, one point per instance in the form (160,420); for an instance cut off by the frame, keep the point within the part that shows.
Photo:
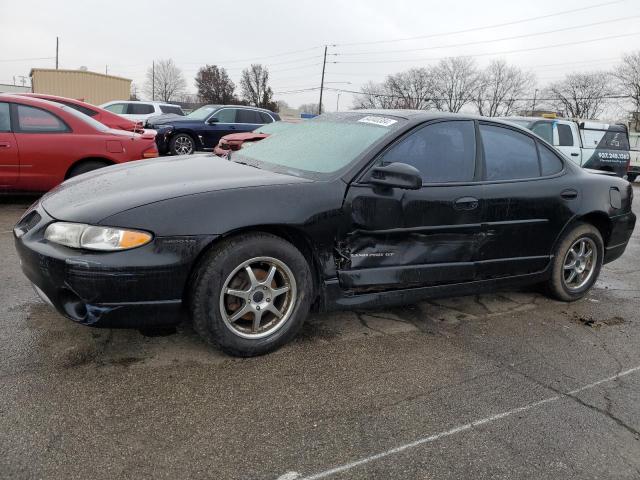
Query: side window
(443,152)
(140,109)
(565,137)
(544,130)
(171,109)
(549,161)
(265,118)
(508,155)
(5,119)
(34,120)
(118,108)
(248,116)
(226,115)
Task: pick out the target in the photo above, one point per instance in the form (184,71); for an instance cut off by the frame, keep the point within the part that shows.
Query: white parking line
(459,429)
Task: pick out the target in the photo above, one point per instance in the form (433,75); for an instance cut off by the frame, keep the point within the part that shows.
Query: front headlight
(79,235)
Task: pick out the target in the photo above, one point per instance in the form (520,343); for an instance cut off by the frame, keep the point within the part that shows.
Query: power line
(505,52)
(478,42)
(26,59)
(486,27)
(389,95)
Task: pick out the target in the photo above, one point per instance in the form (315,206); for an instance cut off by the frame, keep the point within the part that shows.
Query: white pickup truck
(599,146)
(634,165)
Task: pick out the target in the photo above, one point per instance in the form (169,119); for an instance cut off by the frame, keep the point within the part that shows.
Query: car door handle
(569,194)
(466,203)
(5,145)
(574,154)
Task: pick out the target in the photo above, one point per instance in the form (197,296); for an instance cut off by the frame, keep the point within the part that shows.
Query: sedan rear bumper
(134,288)
(621,231)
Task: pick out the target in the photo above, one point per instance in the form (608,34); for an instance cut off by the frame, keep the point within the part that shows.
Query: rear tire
(86,166)
(275,299)
(576,263)
(182,144)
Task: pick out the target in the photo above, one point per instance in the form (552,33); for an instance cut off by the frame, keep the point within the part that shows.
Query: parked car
(599,146)
(42,143)
(103,116)
(634,150)
(235,141)
(141,111)
(203,128)
(349,210)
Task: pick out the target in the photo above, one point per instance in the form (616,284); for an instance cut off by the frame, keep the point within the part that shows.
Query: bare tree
(256,91)
(374,95)
(499,88)
(411,89)
(310,108)
(580,95)
(164,81)
(455,83)
(214,85)
(133,92)
(628,80)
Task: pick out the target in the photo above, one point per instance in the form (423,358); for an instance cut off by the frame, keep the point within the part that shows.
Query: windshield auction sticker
(382,121)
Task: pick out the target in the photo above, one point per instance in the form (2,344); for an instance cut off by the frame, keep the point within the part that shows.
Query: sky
(367,39)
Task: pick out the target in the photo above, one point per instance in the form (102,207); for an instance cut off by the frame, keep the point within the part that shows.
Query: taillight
(150,153)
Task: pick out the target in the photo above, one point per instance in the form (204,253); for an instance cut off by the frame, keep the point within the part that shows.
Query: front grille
(27,223)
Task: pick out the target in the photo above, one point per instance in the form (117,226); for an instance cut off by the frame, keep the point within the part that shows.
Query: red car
(43,143)
(105,117)
(236,141)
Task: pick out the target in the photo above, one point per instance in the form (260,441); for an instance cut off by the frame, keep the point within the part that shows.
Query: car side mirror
(212,120)
(396,175)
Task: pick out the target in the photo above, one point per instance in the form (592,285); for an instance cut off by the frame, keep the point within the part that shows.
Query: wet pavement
(506,385)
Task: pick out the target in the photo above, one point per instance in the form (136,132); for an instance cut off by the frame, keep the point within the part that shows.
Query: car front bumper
(136,288)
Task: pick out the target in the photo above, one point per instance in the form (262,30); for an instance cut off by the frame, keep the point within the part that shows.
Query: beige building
(90,87)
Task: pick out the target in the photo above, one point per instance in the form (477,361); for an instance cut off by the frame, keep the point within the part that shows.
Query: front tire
(577,263)
(182,144)
(251,294)
(631,177)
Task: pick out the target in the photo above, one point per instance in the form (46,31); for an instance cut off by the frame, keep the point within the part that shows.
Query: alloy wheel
(258,297)
(183,145)
(579,264)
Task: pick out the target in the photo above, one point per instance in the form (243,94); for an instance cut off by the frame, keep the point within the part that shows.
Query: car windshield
(324,145)
(202,112)
(85,118)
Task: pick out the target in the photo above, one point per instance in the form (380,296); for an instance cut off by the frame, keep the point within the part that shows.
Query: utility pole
(324,64)
(57,44)
(533,107)
(338,103)
(106,69)
(153,81)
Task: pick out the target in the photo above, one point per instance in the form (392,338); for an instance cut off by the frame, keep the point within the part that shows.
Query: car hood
(96,195)
(243,137)
(163,118)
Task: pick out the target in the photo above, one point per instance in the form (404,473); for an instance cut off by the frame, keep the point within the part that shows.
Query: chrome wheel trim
(579,264)
(183,145)
(258,297)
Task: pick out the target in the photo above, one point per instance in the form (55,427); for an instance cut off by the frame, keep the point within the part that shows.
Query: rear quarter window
(550,163)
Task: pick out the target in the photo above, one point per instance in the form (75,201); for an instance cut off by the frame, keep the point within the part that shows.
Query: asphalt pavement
(509,385)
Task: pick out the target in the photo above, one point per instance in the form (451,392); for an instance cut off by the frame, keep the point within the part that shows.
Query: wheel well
(601,221)
(82,160)
(290,234)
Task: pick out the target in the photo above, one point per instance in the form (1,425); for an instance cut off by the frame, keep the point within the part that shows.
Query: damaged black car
(350,210)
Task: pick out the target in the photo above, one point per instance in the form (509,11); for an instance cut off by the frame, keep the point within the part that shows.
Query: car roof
(55,98)
(248,107)
(29,100)
(143,101)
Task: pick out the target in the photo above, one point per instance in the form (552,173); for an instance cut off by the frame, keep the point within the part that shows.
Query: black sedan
(351,210)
